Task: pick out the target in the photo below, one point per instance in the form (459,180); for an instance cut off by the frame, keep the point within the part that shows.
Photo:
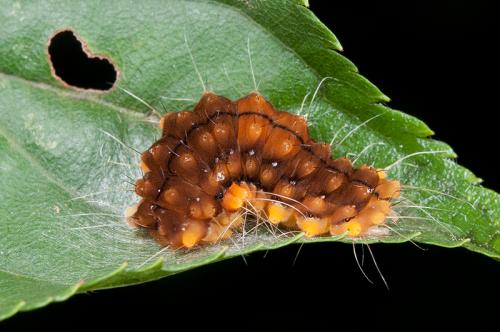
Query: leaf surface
(65,163)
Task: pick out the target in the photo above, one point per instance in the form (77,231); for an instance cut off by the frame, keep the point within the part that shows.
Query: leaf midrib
(79,95)
(31,277)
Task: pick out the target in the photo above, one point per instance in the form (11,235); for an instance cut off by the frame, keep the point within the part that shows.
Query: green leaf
(64,172)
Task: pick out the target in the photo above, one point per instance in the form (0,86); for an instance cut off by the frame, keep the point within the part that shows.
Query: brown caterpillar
(226,157)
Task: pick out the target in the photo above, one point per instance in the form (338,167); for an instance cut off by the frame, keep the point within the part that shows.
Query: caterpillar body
(224,159)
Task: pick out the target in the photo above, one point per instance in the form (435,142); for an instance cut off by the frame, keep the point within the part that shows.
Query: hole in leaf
(74,65)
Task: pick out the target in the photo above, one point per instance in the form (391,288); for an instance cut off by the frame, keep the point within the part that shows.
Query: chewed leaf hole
(74,65)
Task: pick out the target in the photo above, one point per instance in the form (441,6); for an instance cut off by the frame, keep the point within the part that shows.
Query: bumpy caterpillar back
(225,158)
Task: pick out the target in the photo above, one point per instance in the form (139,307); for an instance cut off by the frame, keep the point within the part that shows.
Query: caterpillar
(225,158)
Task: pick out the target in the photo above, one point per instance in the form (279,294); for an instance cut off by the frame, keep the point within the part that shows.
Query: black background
(437,61)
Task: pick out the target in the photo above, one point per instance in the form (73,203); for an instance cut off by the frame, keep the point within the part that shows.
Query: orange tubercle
(235,197)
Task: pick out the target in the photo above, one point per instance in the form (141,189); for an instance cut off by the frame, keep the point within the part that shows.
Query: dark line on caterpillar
(264,116)
(363,183)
